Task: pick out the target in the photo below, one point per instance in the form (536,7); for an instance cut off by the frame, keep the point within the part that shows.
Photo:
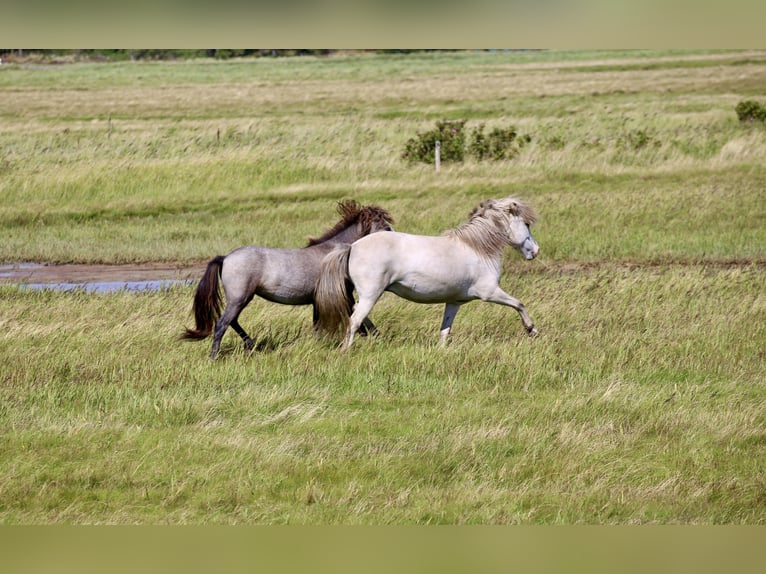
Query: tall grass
(642,400)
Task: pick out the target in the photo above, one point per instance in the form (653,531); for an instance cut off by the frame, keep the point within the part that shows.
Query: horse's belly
(428,291)
(287,296)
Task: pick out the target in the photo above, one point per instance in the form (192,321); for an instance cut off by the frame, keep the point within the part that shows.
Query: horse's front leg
(502,298)
(450,311)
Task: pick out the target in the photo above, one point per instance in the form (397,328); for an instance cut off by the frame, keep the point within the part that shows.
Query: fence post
(438,155)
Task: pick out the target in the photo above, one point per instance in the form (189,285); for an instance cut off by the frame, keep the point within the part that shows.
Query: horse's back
(408,250)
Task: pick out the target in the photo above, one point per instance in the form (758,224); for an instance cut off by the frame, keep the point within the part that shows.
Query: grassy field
(643,400)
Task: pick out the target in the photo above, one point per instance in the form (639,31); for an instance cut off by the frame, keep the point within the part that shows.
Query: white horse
(461,265)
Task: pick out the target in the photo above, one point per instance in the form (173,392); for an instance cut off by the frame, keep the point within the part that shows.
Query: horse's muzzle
(529,249)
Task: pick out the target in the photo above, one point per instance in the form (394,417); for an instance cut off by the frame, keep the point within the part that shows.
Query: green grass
(642,400)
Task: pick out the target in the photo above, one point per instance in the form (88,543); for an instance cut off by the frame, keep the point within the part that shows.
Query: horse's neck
(324,248)
(496,263)
(493,258)
(348,235)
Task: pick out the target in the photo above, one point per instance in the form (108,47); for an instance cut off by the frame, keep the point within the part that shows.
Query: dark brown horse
(286,276)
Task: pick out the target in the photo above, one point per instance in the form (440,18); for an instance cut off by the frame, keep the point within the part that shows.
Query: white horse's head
(497,223)
(521,238)
(520,218)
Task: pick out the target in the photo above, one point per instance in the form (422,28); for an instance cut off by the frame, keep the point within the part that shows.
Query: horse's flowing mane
(486,230)
(352,213)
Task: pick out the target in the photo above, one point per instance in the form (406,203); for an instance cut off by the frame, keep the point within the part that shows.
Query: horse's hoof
(249,345)
(532,332)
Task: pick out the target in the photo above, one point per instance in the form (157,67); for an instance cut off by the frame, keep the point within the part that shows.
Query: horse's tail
(207,301)
(332,293)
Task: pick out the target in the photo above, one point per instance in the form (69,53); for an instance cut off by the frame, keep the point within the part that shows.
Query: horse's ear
(482,208)
(382,214)
(519,209)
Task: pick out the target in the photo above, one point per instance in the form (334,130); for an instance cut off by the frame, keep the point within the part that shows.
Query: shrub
(500,143)
(450,133)
(750,111)
(555,142)
(636,140)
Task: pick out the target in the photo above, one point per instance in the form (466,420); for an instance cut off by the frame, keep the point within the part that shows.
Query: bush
(637,140)
(500,143)
(450,133)
(750,111)
(555,142)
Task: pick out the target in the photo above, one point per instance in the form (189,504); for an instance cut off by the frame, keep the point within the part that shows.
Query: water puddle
(98,278)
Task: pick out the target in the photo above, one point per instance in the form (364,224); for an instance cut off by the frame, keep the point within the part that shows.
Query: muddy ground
(154,275)
(37,273)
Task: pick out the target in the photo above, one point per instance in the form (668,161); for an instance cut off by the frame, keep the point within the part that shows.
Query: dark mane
(352,213)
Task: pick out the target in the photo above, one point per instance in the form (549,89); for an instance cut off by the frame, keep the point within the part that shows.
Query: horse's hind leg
(229,317)
(361,310)
(242,333)
(367,327)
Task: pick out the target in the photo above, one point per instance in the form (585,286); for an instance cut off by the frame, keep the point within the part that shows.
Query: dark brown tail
(207,301)
(331,295)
